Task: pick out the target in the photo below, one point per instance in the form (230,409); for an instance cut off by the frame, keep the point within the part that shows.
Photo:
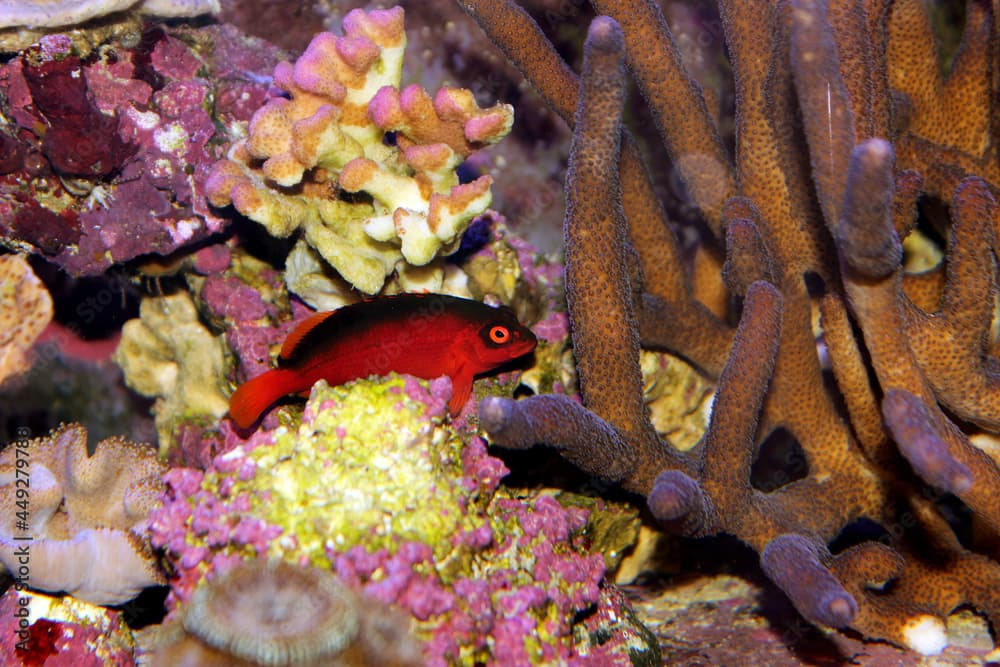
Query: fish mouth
(523,347)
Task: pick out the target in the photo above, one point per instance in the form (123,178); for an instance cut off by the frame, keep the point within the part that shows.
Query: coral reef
(842,122)
(784,335)
(249,302)
(68,512)
(371,483)
(25,311)
(339,125)
(90,140)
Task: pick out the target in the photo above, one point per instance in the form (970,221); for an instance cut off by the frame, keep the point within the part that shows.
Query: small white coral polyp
(341,125)
(79,526)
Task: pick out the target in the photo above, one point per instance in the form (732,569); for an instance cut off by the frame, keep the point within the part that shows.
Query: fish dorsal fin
(301,331)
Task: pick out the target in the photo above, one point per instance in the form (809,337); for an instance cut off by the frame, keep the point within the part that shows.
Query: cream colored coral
(168,354)
(58,13)
(25,310)
(307,276)
(73,522)
(328,137)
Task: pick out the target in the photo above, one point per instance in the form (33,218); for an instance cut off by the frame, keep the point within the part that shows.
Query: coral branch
(913,428)
(582,437)
(679,110)
(792,562)
(728,443)
(865,234)
(951,344)
(604,338)
(843,123)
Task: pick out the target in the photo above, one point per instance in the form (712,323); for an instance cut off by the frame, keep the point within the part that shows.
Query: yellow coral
(365,465)
(25,310)
(328,137)
(168,354)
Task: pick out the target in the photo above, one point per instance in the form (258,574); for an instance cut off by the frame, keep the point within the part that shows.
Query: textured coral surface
(94,139)
(403,511)
(68,511)
(25,310)
(765,383)
(341,124)
(805,217)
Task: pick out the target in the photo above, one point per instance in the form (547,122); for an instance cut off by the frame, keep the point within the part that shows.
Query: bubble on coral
(25,310)
(925,634)
(169,355)
(340,125)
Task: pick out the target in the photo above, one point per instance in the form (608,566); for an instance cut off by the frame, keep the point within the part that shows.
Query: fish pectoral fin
(461,388)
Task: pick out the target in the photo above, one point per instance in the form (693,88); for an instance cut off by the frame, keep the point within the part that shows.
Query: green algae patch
(367,465)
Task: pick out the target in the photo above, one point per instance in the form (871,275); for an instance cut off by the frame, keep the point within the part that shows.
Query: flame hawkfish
(426,335)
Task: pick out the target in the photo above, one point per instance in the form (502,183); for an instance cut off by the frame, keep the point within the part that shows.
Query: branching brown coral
(842,124)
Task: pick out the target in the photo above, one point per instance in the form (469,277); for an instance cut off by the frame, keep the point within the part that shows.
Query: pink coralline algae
(507,582)
(106,156)
(248,300)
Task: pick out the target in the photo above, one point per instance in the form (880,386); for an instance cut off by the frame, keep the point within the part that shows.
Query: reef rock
(372,484)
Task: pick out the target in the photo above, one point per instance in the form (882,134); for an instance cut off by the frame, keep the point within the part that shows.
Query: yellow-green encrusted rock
(367,467)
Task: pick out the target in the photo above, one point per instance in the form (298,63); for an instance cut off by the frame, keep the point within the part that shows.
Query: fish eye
(499,334)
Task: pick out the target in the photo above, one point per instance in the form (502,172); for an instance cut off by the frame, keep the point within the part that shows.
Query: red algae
(125,129)
(43,635)
(78,139)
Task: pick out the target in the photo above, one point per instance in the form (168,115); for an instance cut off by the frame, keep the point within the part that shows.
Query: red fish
(426,335)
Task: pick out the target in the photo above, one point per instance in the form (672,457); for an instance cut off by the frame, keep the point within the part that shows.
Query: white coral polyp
(925,635)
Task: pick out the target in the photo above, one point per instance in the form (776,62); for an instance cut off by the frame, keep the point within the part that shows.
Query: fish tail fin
(256,395)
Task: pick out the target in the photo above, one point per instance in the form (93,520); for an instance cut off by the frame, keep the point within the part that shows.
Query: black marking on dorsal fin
(320,329)
(294,339)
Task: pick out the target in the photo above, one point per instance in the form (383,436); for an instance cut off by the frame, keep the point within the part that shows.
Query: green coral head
(370,463)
